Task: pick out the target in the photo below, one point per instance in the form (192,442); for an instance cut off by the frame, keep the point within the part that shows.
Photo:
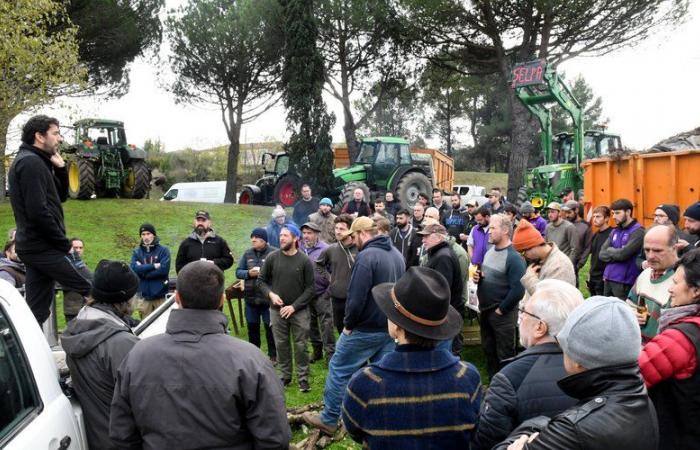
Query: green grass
(486,179)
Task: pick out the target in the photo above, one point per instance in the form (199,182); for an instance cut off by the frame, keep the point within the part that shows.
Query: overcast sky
(649,92)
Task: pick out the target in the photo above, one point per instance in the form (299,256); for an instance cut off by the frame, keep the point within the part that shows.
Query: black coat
(196,387)
(409,245)
(443,259)
(525,388)
(95,343)
(613,412)
(37,189)
(253,258)
(214,248)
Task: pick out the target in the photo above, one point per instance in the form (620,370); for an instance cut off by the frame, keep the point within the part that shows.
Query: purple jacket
(479,241)
(620,270)
(321,282)
(540,224)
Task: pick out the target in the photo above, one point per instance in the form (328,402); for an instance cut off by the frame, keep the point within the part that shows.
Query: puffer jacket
(525,388)
(95,343)
(613,412)
(253,258)
(669,365)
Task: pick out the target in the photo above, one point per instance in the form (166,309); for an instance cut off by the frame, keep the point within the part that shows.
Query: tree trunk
(522,140)
(350,131)
(3,143)
(234,149)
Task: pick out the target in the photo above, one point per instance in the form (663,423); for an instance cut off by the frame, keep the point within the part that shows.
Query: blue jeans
(352,352)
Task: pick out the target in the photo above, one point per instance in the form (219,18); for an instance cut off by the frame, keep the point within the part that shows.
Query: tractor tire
(286,191)
(246,197)
(408,188)
(81,179)
(137,182)
(346,196)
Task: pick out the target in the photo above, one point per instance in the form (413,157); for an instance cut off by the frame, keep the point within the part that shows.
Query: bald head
(432,213)
(659,247)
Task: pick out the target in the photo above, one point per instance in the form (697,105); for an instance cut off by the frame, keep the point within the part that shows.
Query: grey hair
(505,223)
(553,301)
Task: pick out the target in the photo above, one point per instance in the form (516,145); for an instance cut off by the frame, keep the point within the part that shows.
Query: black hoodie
(37,189)
(96,342)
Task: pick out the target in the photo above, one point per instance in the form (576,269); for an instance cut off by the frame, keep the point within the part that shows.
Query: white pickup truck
(37,409)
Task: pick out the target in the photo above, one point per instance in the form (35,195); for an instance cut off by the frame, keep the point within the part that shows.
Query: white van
(200,192)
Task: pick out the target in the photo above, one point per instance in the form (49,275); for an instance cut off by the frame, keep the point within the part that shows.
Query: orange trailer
(443,165)
(646,179)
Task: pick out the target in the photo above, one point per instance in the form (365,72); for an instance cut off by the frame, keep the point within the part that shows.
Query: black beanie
(147,227)
(114,282)
(693,211)
(672,211)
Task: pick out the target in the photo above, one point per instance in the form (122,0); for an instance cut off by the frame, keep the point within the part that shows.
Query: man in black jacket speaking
(38,183)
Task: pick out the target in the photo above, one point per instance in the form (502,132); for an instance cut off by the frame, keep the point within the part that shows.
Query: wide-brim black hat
(419,302)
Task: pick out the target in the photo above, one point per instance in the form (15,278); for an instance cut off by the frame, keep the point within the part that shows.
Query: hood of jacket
(4,262)
(93,325)
(618,379)
(210,234)
(380,242)
(148,247)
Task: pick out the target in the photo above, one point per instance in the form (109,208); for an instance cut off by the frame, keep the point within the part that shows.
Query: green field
(486,179)
(109,228)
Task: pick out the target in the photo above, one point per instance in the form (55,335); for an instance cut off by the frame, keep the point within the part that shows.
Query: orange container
(646,179)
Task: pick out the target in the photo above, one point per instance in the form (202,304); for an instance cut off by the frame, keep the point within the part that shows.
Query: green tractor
(383,164)
(539,87)
(102,164)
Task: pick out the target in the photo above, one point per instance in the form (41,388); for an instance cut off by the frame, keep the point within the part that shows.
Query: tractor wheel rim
(74,178)
(412,193)
(130,181)
(287,194)
(244,198)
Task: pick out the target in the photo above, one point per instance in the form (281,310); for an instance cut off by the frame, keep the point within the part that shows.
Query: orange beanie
(526,236)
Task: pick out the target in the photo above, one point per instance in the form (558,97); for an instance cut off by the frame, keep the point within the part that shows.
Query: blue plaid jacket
(414,399)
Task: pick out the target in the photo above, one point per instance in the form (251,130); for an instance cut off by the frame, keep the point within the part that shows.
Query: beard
(287,246)
(200,230)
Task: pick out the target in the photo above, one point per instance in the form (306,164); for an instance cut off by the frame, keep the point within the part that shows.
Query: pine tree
(309,147)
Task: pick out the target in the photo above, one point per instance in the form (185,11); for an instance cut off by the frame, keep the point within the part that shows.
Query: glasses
(522,311)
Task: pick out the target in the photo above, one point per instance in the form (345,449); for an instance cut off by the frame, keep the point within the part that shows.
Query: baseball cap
(311,226)
(554,205)
(202,213)
(362,224)
(432,228)
(570,205)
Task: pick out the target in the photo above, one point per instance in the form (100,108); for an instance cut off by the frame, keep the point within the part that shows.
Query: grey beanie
(278,211)
(527,208)
(602,331)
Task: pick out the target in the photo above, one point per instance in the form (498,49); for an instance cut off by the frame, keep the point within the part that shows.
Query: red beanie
(526,236)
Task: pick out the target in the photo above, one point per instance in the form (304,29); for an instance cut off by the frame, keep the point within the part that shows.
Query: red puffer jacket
(669,354)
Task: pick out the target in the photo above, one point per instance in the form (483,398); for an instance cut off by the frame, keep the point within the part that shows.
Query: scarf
(674,314)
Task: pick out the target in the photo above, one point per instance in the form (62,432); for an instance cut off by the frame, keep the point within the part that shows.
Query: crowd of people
(381,293)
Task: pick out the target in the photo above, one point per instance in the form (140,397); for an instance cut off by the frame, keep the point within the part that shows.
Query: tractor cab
(377,161)
(93,133)
(596,144)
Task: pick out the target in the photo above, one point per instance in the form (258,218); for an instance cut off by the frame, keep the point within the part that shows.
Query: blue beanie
(293,229)
(326,201)
(260,233)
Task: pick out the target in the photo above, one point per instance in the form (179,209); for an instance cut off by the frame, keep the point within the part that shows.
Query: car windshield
(564,150)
